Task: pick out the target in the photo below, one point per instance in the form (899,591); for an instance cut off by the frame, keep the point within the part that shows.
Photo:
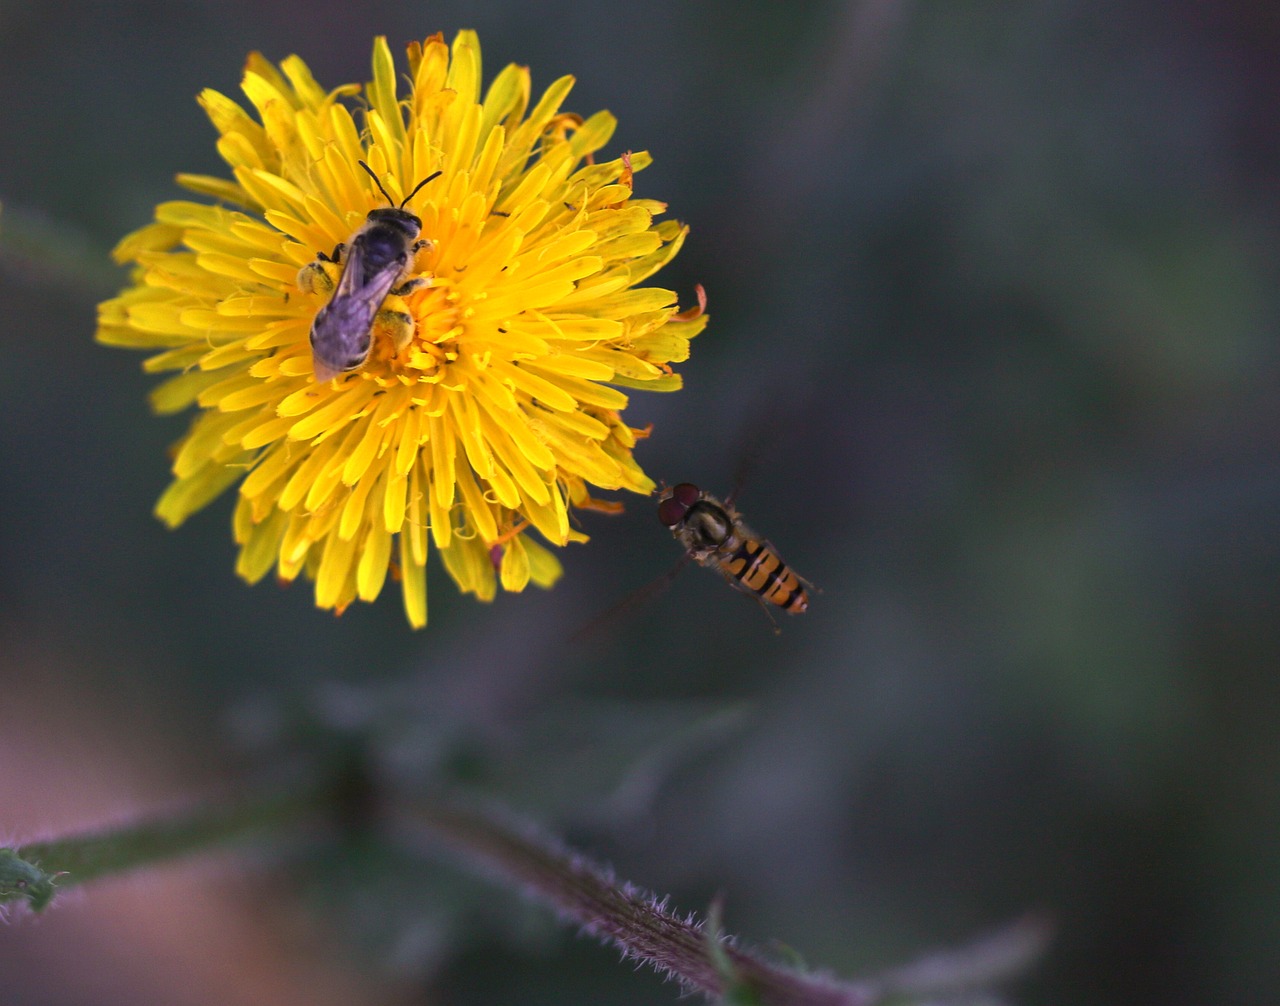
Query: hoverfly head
(676,501)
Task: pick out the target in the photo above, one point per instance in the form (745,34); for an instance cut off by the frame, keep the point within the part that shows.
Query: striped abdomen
(759,569)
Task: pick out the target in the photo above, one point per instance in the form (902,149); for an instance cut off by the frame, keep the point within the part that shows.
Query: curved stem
(637,921)
(31,871)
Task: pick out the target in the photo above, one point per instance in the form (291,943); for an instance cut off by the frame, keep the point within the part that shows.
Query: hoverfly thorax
(706,525)
(699,522)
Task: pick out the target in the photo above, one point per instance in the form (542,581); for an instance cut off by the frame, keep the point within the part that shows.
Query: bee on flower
(404,327)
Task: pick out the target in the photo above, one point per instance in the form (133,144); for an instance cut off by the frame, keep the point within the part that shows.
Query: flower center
(403,354)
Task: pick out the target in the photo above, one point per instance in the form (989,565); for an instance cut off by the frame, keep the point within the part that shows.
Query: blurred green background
(994,293)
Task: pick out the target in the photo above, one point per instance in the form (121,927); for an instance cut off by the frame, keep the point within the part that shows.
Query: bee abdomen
(760,569)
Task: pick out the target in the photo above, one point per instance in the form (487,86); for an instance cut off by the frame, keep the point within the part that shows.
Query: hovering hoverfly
(713,534)
(375,265)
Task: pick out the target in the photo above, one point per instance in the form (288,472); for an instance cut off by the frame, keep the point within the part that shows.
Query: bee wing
(340,333)
(357,281)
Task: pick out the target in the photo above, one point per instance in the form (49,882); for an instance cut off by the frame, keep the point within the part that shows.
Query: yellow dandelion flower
(476,395)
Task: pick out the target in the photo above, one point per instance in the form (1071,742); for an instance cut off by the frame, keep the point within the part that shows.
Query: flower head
(475,397)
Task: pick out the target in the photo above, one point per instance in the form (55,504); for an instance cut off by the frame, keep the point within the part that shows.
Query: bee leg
(395,325)
(409,285)
(320,276)
(339,250)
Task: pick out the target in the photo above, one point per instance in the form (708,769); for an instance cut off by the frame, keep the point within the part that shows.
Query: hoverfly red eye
(671,511)
(676,501)
(686,493)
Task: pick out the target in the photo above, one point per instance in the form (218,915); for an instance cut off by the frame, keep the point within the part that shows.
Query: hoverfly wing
(637,598)
(756,438)
(748,462)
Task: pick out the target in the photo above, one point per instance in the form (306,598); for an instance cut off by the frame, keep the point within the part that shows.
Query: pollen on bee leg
(395,326)
(409,285)
(318,276)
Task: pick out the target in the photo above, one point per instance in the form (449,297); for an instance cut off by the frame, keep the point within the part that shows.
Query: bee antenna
(434,174)
(378,182)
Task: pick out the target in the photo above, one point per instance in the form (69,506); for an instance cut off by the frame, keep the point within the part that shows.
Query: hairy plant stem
(76,859)
(638,922)
(513,852)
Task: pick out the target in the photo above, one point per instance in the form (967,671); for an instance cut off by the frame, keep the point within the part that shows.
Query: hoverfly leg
(738,585)
(777,629)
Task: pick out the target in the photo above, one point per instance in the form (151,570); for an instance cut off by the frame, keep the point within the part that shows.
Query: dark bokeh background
(994,292)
